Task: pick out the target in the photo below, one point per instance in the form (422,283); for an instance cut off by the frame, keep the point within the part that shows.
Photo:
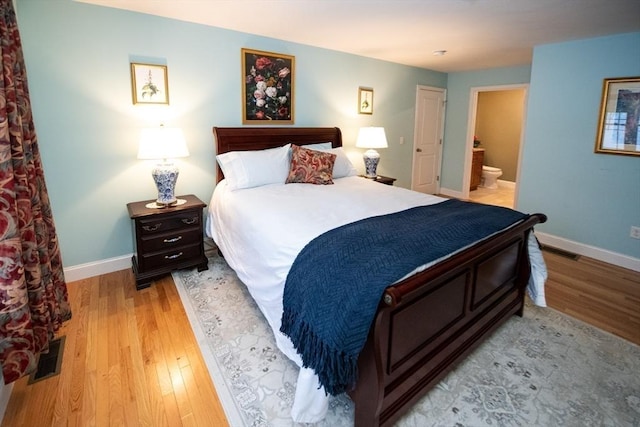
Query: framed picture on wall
(267,87)
(149,84)
(365,100)
(618,127)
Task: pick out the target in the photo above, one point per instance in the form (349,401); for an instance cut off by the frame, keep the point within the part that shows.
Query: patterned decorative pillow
(310,166)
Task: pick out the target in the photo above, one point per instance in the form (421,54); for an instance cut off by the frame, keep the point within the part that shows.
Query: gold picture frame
(365,100)
(267,87)
(149,84)
(618,126)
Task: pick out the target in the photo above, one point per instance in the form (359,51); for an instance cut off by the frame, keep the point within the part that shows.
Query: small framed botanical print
(149,84)
(365,100)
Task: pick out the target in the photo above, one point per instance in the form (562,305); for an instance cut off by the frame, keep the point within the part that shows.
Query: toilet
(490,177)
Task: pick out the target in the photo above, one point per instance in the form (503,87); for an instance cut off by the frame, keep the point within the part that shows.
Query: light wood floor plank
(155,394)
(128,387)
(79,361)
(102,359)
(88,416)
(198,367)
(171,409)
(182,398)
(138,376)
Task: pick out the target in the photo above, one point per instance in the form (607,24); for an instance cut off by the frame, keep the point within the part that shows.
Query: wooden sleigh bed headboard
(259,138)
(428,322)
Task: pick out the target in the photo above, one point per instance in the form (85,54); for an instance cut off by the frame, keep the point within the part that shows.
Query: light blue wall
(78,57)
(589,198)
(458,103)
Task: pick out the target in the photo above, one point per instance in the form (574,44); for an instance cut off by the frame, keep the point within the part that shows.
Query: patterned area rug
(545,369)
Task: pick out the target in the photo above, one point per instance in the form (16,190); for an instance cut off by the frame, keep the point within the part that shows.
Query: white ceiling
(476,34)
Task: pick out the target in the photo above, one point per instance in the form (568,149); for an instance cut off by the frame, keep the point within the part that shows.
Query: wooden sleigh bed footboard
(429,322)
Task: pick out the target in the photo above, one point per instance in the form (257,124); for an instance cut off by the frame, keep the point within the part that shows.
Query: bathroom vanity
(476,168)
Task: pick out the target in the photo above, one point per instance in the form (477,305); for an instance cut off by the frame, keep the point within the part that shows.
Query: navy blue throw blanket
(336,282)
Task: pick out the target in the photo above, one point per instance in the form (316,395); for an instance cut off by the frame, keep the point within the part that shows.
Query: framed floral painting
(267,87)
(149,84)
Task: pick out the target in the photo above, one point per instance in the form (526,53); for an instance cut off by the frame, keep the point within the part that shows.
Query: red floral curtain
(33,292)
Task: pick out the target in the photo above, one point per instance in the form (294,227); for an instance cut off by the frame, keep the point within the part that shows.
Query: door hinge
(438,178)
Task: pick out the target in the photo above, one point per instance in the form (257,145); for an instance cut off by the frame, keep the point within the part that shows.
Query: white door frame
(415,133)
(471,126)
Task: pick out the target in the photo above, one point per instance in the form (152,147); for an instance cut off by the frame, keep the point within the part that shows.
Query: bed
(465,295)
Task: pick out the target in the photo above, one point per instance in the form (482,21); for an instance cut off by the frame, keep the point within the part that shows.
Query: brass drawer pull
(178,255)
(190,221)
(173,240)
(151,227)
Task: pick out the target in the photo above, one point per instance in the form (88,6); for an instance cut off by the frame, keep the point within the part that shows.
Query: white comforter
(261,230)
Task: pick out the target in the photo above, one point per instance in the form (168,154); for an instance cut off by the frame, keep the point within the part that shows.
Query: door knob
(419,150)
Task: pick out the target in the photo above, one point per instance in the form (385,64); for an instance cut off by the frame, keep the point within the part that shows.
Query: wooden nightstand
(382,179)
(166,239)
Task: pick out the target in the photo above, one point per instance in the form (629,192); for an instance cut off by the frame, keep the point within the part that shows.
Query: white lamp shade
(162,143)
(371,137)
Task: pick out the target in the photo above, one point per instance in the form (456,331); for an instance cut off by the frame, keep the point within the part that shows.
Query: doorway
(427,143)
(496,134)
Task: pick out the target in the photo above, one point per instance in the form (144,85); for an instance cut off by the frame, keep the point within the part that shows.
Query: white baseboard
(96,268)
(590,251)
(451,193)
(506,184)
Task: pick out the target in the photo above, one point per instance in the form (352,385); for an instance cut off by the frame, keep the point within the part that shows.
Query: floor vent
(561,252)
(49,363)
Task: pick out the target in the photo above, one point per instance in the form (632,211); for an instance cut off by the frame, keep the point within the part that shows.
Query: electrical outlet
(635,232)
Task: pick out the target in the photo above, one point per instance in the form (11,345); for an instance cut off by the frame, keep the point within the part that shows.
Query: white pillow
(342,166)
(320,146)
(246,169)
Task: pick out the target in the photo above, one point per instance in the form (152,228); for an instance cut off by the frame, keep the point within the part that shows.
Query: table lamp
(163,144)
(371,138)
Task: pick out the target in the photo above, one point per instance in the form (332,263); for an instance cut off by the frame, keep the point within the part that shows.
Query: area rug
(544,369)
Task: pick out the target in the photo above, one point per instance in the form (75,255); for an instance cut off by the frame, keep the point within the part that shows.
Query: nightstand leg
(140,283)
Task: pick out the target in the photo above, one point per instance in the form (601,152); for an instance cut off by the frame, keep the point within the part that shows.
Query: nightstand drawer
(166,241)
(168,259)
(163,223)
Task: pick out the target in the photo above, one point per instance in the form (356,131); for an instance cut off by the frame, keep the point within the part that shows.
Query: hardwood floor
(131,359)
(597,293)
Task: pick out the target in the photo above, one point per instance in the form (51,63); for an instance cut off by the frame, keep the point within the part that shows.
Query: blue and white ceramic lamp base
(165,176)
(371,159)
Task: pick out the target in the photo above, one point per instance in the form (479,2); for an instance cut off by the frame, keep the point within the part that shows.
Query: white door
(427,142)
